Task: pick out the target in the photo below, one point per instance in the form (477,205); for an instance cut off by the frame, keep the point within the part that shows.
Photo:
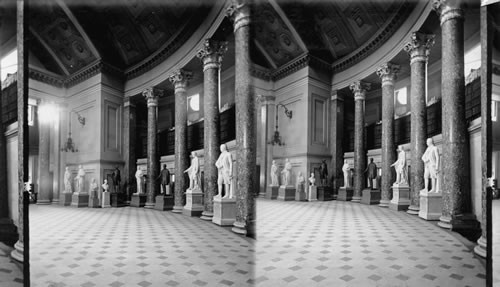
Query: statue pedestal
(430,205)
(224,211)
(94,202)
(164,202)
(301,195)
(345,193)
(286,193)
(65,198)
(116,200)
(400,197)
(194,202)
(325,193)
(138,200)
(313,193)
(80,199)
(370,196)
(272,191)
(106,199)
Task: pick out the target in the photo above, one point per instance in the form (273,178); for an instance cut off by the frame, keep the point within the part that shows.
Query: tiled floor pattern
(339,243)
(10,274)
(133,247)
(495,215)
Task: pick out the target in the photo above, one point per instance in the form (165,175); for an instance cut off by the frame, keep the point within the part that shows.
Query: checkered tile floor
(10,274)
(133,247)
(339,243)
(495,205)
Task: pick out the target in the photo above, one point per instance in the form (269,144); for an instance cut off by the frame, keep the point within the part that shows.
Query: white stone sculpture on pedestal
(80,178)
(431,165)
(138,178)
(225,166)
(400,167)
(274,174)
(194,172)
(287,172)
(67,181)
(346,169)
(105,195)
(312,180)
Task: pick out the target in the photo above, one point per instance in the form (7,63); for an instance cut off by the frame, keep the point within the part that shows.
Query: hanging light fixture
(69,145)
(276,140)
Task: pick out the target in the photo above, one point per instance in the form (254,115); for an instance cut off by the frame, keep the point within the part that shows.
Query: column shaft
(245,123)
(4,192)
(45,187)
(151,95)
(337,132)
(266,112)
(129,126)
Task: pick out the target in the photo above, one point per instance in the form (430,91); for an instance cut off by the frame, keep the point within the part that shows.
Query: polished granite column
(56,146)
(129,126)
(359,89)
(152,95)
(388,74)
(267,108)
(180,81)
(457,208)
(336,134)
(418,49)
(239,12)
(211,55)
(45,186)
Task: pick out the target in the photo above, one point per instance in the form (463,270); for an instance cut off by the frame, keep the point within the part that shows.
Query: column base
(430,205)
(313,193)
(384,203)
(481,246)
(106,199)
(286,193)
(208,215)
(116,200)
(94,202)
(138,200)
(55,200)
(80,199)
(239,228)
(345,194)
(164,202)
(356,199)
(149,205)
(325,193)
(370,196)
(194,202)
(177,209)
(464,224)
(413,210)
(300,194)
(8,231)
(272,192)
(65,199)
(400,197)
(43,201)
(224,211)
(18,252)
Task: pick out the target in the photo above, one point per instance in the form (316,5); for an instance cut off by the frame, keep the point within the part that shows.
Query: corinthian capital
(448,9)
(152,94)
(359,89)
(419,46)
(211,53)
(180,79)
(388,73)
(239,12)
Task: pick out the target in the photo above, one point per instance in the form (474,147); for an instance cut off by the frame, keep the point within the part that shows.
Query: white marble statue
(80,179)
(225,166)
(431,165)
(138,179)
(93,188)
(346,169)
(312,180)
(287,172)
(105,186)
(194,172)
(300,182)
(67,181)
(400,167)
(274,174)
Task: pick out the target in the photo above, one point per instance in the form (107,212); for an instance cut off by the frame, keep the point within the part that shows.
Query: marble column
(336,134)
(486,130)
(457,208)
(211,56)
(239,12)
(267,108)
(56,154)
(45,187)
(152,94)
(129,126)
(418,49)
(388,74)
(180,81)
(359,89)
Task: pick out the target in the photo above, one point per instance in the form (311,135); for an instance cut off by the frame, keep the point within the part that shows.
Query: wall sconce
(276,140)
(69,145)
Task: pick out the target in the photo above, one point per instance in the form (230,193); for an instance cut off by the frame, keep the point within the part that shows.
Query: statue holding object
(194,172)
(67,181)
(224,165)
(431,165)
(400,167)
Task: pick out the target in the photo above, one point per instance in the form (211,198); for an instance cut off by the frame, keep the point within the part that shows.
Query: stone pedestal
(164,202)
(94,202)
(345,193)
(313,193)
(224,211)
(138,200)
(430,205)
(80,199)
(325,193)
(65,198)
(194,202)
(286,193)
(272,191)
(106,200)
(400,197)
(301,194)
(117,200)
(370,196)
